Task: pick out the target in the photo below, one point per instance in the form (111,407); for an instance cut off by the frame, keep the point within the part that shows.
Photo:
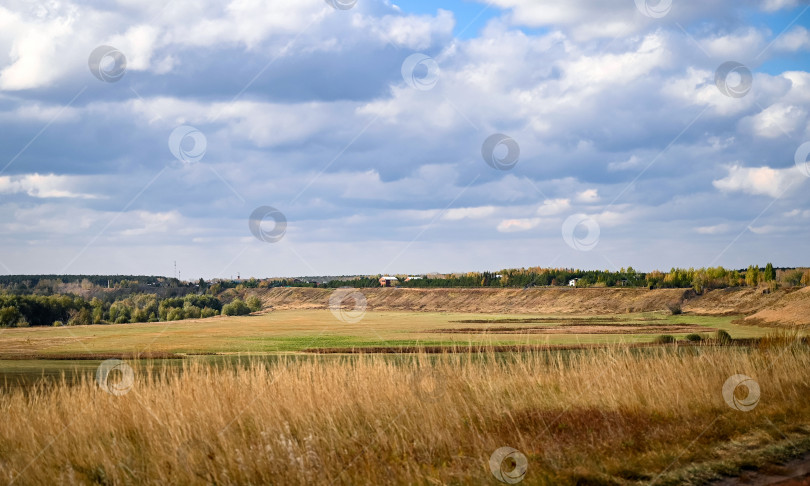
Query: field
(298,330)
(299,396)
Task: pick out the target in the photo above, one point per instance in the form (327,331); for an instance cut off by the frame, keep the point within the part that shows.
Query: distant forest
(57,300)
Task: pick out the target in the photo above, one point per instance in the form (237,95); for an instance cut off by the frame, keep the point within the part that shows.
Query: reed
(606,416)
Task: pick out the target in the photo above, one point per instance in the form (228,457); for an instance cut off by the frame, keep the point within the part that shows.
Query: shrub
(675,308)
(723,337)
(191,311)
(58,323)
(208,312)
(694,337)
(236,308)
(254,303)
(664,339)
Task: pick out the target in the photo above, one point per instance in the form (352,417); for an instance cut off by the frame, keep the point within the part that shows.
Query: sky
(343,137)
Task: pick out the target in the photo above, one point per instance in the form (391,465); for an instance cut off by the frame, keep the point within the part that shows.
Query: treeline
(113,281)
(699,279)
(59,310)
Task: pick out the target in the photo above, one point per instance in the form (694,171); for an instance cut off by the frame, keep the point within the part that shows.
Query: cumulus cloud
(43,186)
(305,108)
(761,181)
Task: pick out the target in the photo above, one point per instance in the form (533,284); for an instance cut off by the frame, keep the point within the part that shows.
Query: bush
(208,312)
(723,337)
(675,308)
(664,339)
(58,323)
(175,314)
(695,338)
(191,311)
(236,308)
(254,303)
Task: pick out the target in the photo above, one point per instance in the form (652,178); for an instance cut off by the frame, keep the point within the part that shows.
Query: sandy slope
(791,309)
(501,301)
(787,307)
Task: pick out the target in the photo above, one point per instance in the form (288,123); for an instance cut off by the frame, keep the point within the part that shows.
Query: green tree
(236,308)
(254,303)
(770,273)
(752,276)
(9,316)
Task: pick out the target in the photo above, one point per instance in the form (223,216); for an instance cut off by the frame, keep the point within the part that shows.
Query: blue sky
(615,142)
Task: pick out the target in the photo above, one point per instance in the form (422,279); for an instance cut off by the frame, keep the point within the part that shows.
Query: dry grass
(613,416)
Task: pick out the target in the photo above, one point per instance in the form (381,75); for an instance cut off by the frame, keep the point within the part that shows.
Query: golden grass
(611,416)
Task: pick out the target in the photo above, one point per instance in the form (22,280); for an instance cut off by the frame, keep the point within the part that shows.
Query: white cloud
(43,186)
(588,196)
(553,207)
(712,230)
(796,39)
(631,163)
(517,225)
(757,180)
(777,120)
(457,214)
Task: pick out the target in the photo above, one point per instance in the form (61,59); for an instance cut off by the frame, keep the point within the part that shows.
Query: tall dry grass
(611,416)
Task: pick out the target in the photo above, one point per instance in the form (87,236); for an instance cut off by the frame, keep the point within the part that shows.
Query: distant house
(573,282)
(413,278)
(388,281)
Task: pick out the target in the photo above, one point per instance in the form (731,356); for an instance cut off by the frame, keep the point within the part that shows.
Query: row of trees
(699,279)
(38,310)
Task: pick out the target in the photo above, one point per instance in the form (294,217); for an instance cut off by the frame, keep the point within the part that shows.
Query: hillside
(501,301)
(791,307)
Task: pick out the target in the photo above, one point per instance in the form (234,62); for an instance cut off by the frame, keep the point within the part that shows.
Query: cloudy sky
(303,137)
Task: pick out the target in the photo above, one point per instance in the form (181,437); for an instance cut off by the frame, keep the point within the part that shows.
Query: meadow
(599,416)
(299,330)
(285,398)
